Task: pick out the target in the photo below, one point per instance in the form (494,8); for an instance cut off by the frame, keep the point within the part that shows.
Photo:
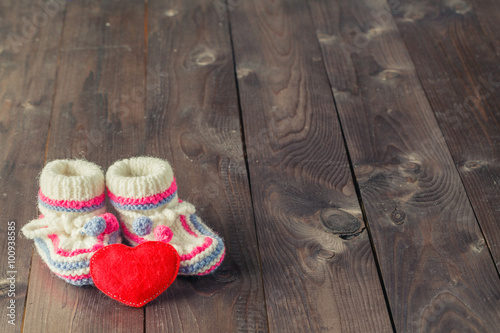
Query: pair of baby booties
(74,224)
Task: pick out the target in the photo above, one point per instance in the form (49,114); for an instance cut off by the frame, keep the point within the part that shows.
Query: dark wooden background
(348,151)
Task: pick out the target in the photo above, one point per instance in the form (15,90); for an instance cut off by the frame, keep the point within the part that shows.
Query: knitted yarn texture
(144,192)
(73,223)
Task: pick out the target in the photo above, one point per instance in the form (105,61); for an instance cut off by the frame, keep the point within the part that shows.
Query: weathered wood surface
(318,268)
(193,121)
(487,13)
(28,54)
(437,271)
(98,116)
(457,64)
(238,97)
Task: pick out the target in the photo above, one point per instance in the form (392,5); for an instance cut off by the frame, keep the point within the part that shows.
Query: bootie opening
(76,180)
(139,177)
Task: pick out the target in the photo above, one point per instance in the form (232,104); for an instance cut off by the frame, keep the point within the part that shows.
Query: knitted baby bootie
(144,192)
(73,223)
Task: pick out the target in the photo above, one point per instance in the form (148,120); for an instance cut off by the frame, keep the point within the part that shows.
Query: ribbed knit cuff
(71,186)
(141,183)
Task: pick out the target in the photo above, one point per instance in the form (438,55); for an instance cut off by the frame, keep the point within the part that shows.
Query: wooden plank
(27,73)
(318,267)
(193,121)
(438,273)
(488,14)
(458,66)
(97,115)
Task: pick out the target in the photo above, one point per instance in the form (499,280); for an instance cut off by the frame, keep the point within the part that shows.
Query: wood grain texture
(27,75)
(437,271)
(318,267)
(193,121)
(98,116)
(460,75)
(487,13)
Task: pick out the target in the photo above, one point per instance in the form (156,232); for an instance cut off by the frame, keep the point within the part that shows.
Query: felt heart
(134,275)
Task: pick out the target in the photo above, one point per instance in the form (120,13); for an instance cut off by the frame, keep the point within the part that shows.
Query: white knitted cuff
(141,183)
(71,186)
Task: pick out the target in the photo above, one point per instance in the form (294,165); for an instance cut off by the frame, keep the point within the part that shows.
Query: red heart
(134,275)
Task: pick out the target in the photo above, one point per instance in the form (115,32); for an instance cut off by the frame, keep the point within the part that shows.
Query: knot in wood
(325,38)
(412,166)
(479,245)
(363,169)
(191,146)
(243,72)
(459,7)
(388,74)
(339,222)
(325,254)
(205,59)
(414,15)
(473,164)
(225,276)
(171,12)
(398,217)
